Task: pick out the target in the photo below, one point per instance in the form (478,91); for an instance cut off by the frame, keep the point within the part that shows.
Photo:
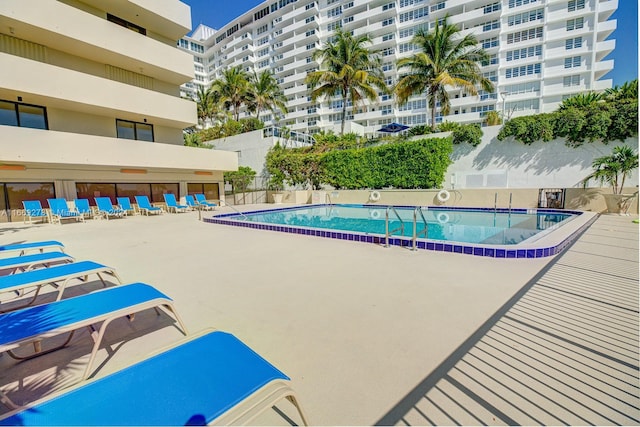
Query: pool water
(457,225)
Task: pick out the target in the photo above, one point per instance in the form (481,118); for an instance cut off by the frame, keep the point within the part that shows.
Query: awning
(393,128)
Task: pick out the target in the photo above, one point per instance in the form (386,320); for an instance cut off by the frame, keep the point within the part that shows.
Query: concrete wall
(589,199)
(252,148)
(510,164)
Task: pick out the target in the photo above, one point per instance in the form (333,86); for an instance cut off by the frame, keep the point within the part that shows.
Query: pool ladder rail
(417,212)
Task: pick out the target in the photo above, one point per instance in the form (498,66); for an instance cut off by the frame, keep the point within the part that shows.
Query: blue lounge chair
(172,204)
(191,202)
(125,204)
(59,276)
(145,206)
(83,208)
(29,262)
(33,324)
(203,201)
(33,211)
(213,378)
(106,209)
(23,248)
(59,211)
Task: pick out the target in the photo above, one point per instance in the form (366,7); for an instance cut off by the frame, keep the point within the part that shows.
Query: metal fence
(245,191)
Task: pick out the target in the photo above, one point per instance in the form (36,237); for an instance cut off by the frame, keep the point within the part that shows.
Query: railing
(223,203)
(388,232)
(416,234)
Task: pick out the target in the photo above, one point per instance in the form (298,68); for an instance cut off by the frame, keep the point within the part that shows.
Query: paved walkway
(371,334)
(564,350)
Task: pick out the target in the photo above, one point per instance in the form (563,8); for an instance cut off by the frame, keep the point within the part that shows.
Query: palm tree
(614,168)
(582,100)
(444,60)
(629,90)
(234,89)
(349,71)
(209,106)
(265,93)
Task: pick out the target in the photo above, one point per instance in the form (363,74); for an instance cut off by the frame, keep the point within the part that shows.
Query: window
(12,194)
(492,25)
(526,52)
(517,3)
(491,8)
(489,43)
(533,33)
(210,190)
(388,37)
(386,110)
(133,130)
(386,22)
(573,62)
(524,70)
(573,43)
(575,24)
(334,12)
(574,5)
(126,24)
(524,17)
(23,115)
(438,6)
(571,81)
(388,6)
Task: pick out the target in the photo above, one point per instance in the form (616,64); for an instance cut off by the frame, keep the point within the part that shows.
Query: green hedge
(407,164)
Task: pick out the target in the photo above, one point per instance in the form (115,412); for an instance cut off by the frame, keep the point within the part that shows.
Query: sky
(217,13)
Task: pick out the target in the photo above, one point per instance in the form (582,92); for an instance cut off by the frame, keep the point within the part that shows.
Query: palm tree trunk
(433,116)
(344,110)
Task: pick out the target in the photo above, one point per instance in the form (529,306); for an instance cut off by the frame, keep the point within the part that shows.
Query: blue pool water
(456,225)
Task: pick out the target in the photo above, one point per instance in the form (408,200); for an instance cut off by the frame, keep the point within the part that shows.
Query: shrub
(469,133)
(528,129)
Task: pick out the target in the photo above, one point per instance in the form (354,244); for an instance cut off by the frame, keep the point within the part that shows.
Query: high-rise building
(90,103)
(541,51)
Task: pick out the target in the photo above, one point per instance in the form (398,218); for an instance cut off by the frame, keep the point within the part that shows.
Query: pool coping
(547,245)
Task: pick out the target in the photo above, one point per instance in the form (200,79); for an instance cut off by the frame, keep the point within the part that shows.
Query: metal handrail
(327,197)
(424,232)
(233,208)
(388,232)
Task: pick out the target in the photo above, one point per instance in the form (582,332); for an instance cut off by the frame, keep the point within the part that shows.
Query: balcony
(70,150)
(88,36)
(75,91)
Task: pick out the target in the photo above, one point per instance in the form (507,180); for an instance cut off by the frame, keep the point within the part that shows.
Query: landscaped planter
(618,203)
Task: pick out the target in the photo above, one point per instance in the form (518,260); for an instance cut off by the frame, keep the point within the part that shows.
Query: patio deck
(371,334)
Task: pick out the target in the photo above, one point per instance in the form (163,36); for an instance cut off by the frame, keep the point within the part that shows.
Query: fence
(245,191)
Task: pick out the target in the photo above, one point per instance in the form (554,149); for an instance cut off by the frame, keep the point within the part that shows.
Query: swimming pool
(500,233)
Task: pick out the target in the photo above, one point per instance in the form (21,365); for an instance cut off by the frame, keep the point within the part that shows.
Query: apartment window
(406,47)
(388,37)
(575,24)
(386,110)
(523,88)
(263,52)
(347,5)
(524,70)
(334,25)
(311,46)
(574,5)
(388,6)
(526,52)
(387,66)
(491,7)
(386,22)
(574,43)
(210,190)
(524,17)
(310,5)
(573,62)
(133,130)
(334,12)
(195,47)
(348,19)
(310,33)
(438,6)
(263,64)
(517,3)
(388,51)
(492,25)
(493,60)
(533,33)
(262,29)
(489,43)
(126,24)
(183,43)
(310,19)
(569,81)
(23,115)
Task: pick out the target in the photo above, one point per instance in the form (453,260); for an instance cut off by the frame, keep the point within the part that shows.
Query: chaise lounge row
(210,377)
(59,208)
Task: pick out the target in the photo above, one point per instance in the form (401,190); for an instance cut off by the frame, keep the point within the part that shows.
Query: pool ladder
(417,212)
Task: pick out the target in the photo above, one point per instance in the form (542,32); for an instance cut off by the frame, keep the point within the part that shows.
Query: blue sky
(216,13)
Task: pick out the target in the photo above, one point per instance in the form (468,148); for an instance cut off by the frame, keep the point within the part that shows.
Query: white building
(541,52)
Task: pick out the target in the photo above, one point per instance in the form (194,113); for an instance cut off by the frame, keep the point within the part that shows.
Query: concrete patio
(371,334)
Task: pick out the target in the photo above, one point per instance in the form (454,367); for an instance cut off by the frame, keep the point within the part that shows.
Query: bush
(447,126)
(528,129)
(469,133)
(419,130)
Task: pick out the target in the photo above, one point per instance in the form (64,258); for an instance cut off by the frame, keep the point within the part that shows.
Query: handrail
(424,232)
(388,232)
(233,209)
(327,197)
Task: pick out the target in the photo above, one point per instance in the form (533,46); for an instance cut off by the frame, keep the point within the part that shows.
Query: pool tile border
(430,245)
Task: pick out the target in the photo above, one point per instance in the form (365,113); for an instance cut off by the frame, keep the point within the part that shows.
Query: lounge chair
(83,208)
(33,324)
(33,211)
(124,203)
(212,378)
(172,204)
(203,201)
(23,248)
(60,210)
(145,206)
(106,209)
(29,262)
(191,202)
(58,276)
